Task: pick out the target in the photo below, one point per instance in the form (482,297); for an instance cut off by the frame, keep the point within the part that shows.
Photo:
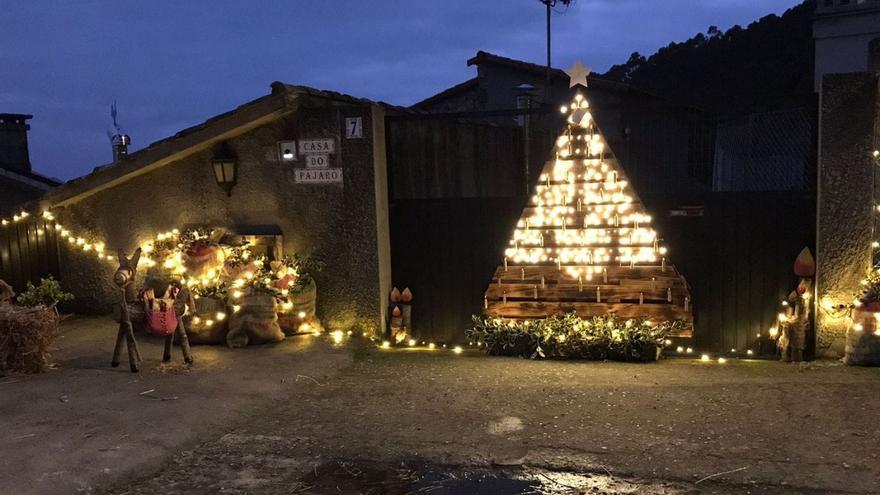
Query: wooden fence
(28,252)
(737,258)
(457,191)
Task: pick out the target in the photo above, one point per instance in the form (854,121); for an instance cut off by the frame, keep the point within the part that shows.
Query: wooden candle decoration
(406,298)
(607,231)
(663,264)
(669,294)
(504,298)
(485,302)
(687,303)
(183,299)
(505,263)
(398,333)
(522,273)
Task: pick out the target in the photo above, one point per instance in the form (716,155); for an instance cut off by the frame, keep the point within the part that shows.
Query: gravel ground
(311,417)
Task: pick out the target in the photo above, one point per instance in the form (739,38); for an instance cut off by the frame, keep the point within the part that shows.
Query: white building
(842,30)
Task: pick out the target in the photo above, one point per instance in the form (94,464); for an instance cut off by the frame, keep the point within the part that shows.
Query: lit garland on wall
(168,242)
(168,250)
(843,310)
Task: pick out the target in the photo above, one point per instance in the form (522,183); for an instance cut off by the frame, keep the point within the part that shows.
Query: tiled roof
(490,58)
(448,93)
(279,102)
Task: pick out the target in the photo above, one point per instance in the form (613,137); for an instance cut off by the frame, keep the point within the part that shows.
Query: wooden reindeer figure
(184,298)
(124,279)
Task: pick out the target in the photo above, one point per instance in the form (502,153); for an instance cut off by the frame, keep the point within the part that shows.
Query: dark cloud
(171,64)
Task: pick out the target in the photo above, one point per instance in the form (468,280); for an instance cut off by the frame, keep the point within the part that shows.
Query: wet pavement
(423,478)
(315,416)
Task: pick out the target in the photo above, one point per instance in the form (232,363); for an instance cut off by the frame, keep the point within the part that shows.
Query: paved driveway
(306,415)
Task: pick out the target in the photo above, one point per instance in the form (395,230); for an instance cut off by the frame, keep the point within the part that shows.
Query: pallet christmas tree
(584,242)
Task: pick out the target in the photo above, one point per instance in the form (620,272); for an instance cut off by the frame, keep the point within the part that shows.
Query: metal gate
(28,252)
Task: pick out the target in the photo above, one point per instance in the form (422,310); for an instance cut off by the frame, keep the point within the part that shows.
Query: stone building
(842,30)
(18,182)
(338,212)
(663,146)
(847,194)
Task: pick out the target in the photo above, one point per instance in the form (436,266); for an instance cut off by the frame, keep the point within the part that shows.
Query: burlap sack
(255,323)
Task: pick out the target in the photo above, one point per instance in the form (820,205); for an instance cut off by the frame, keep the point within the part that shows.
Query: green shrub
(48,293)
(569,336)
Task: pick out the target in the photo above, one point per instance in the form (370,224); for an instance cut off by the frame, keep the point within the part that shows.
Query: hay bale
(25,336)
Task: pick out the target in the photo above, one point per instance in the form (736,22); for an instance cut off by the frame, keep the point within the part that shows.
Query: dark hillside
(765,66)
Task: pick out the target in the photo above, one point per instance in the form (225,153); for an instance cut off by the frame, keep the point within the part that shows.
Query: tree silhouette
(766,66)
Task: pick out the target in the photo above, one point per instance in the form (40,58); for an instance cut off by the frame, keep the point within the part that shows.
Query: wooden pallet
(528,290)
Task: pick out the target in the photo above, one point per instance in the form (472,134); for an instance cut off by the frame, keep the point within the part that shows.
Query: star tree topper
(577,74)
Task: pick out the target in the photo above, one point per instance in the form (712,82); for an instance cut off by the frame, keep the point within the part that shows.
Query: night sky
(172,64)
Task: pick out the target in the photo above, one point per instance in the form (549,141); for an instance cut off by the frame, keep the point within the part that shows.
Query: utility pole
(549,4)
(547,82)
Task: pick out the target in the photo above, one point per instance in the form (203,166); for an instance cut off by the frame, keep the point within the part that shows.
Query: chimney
(118,139)
(13,142)
(120,144)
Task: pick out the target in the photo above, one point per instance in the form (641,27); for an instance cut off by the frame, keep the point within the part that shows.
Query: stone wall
(849,122)
(338,222)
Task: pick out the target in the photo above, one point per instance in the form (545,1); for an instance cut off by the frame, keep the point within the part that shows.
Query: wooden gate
(28,252)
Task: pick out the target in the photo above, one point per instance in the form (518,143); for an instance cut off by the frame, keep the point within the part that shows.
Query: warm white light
(457,349)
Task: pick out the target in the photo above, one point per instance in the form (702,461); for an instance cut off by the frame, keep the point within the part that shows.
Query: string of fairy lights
(167,249)
(175,265)
(581,215)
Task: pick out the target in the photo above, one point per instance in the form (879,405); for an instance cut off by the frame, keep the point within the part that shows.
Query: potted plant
(295,282)
(863,336)
(254,318)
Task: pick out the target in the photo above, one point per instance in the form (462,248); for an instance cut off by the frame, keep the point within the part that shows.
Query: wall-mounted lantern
(225,168)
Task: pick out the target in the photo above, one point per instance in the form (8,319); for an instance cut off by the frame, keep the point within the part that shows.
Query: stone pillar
(847,126)
(383,226)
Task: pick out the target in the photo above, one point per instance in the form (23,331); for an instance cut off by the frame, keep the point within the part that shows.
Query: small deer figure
(124,279)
